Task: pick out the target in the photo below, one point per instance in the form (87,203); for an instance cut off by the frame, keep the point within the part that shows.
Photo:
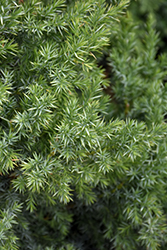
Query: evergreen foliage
(142,8)
(82,148)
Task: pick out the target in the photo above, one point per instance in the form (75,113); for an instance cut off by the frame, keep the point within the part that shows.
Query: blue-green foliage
(137,72)
(80,170)
(140,11)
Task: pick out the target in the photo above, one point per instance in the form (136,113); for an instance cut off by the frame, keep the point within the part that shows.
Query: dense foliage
(83,132)
(140,9)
